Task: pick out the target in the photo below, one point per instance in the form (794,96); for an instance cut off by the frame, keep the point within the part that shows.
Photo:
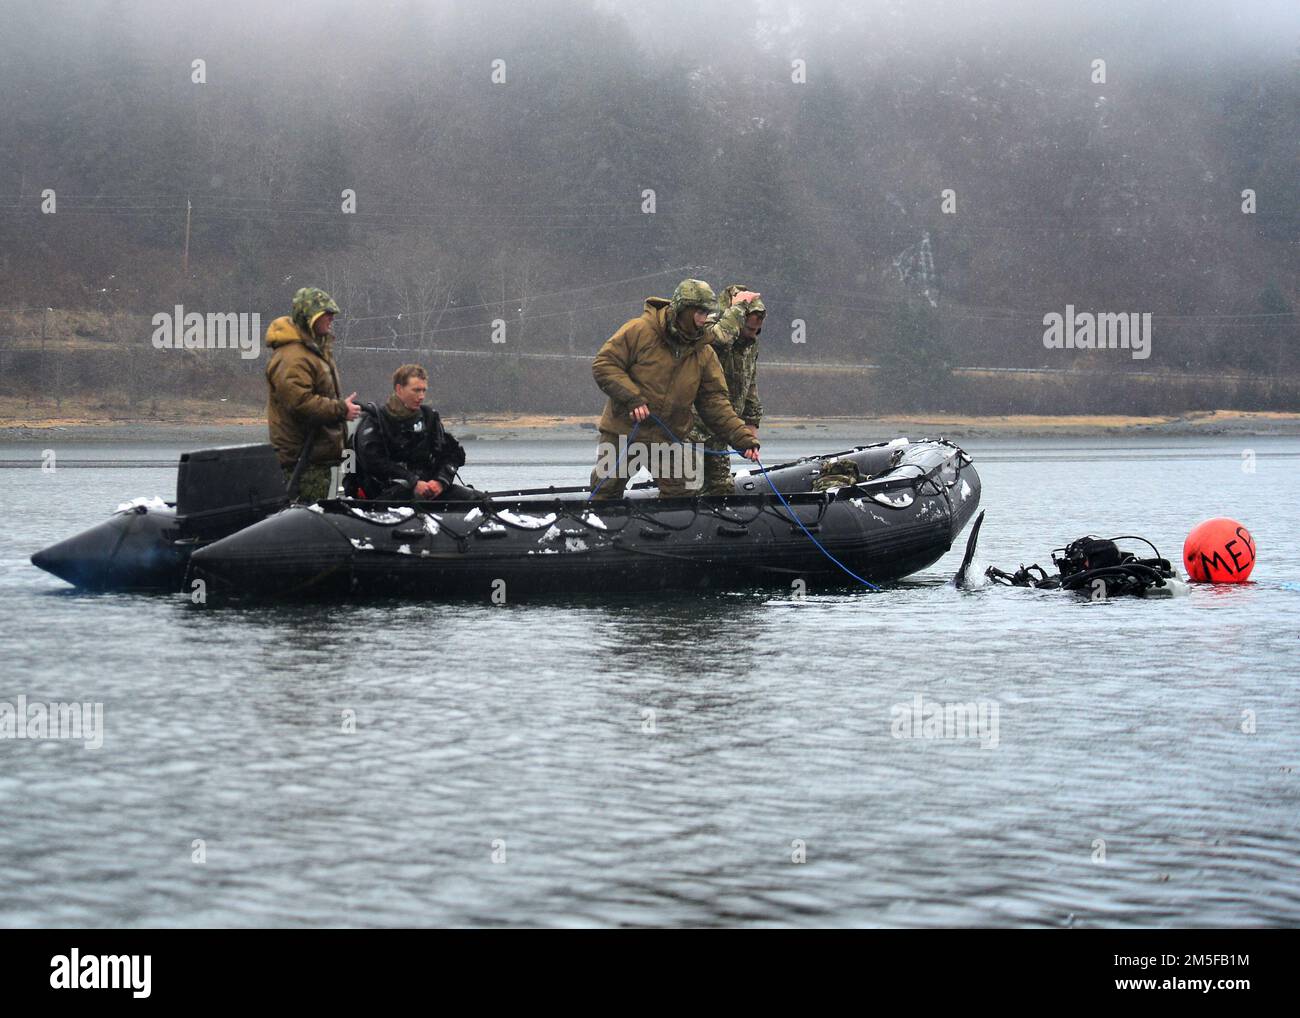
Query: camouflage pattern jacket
(738,358)
(646,362)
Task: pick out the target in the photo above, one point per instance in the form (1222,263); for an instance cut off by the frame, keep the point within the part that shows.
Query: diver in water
(1095,566)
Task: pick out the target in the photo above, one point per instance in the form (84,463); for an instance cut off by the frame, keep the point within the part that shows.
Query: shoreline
(243,426)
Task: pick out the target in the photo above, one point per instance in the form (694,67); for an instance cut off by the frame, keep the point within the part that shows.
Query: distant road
(841,367)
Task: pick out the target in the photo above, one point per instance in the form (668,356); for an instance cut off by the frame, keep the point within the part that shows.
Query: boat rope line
(694,560)
(795,516)
(635,513)
(619,461)
(809,533)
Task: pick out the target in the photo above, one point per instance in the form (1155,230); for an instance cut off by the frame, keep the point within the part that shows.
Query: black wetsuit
(394,454)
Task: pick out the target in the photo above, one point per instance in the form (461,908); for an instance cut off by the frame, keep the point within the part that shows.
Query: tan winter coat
(304,394)
(641,364)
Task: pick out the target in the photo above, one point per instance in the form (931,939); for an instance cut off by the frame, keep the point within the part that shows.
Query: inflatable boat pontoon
(913,502)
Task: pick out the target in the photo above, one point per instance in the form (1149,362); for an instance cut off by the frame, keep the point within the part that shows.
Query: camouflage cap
(310,303)
(692,293)
(756,307)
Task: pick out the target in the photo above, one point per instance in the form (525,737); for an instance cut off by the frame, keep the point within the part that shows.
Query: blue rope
(618,462)
(795,516)
(731,452)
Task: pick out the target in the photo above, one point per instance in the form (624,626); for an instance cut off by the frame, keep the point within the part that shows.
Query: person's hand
(428,489)
(751,454)
(640,413)
(744,297)
(354,409)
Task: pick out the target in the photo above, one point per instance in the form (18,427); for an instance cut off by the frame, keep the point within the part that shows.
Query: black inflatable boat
(147,543)
(913,502)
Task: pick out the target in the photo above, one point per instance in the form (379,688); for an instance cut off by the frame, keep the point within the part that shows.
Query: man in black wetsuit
(402,451)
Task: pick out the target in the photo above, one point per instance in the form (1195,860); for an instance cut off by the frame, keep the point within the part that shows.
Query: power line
(539,296)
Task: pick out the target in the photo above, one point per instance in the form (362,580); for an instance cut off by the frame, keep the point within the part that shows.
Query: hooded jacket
(646,361)
(739,363)
(738,357)
(303,393)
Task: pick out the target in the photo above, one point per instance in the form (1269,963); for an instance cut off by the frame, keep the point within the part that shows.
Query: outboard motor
(228,488)
(147,545)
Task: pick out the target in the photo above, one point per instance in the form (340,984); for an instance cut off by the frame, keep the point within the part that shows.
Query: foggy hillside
(501,155)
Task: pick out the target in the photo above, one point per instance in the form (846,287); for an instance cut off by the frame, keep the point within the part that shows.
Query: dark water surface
(663,760)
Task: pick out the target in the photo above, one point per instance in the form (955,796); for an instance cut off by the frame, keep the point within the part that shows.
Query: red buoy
(1219,551)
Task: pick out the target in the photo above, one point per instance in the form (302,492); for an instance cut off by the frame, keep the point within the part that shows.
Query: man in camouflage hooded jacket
(662,364)
(303,398)
(735,341)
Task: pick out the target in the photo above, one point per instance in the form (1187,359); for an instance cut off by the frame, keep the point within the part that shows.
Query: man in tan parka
(303,398)
(662,363)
